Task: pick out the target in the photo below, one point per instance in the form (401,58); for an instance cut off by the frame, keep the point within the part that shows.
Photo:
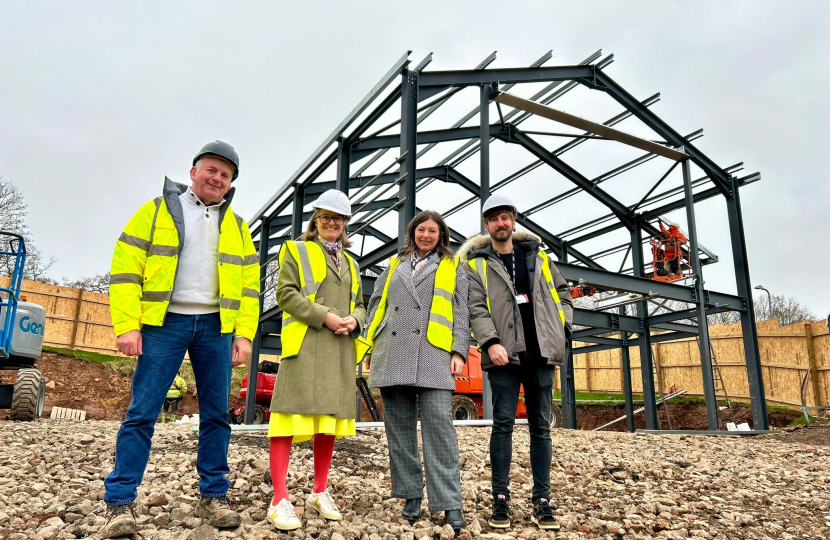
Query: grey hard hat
(222,150)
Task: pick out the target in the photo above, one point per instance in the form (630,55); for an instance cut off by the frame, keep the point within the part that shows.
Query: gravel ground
(608,486)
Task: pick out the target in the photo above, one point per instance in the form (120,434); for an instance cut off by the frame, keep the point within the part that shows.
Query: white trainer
(324,505)
(282,516)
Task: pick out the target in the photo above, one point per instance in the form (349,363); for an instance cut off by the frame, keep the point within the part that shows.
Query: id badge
(521,299)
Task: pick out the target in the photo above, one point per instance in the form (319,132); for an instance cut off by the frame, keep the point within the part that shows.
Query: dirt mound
(94,388)
(682,415)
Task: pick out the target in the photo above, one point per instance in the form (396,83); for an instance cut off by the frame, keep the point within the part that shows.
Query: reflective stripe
(552,287)
(353,299)
(156,296)
(229,303)
(309,286)
(440,319)
(287,320)
(250,259)
(134,241)
(480,266)
(446,295)
(253,293)
(163,251)
(120,279)
(230,259)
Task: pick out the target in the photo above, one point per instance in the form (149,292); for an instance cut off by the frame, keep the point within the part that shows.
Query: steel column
(484,193)
(566,379)
(757,397)
(409,134)
(647,368)
(343,162)
(702,324)
(628,390)
(296,213)
(253,366)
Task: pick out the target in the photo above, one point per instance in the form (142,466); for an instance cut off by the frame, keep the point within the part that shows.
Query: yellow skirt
(303,427)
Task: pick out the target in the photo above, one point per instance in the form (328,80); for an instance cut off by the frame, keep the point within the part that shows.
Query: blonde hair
(311,232)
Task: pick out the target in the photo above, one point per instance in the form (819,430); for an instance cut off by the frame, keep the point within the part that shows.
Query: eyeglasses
(337,220)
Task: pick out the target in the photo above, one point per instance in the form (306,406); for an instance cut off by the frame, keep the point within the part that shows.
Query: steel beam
(296,214)
(620,210)
(610,321)
(587,125)
(444,79)
(253,364)
(754,373)
(702,326)
(390,76)
(607,84)
(628,389)
(639,285)
(644,340)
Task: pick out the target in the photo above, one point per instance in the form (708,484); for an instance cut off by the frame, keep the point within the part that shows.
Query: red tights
(280,452)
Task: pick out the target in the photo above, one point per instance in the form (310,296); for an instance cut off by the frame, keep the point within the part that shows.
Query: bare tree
(13,212)
(99,283)
(787,310)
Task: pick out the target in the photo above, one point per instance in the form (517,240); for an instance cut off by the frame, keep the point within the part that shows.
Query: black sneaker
(500,518)
(543,515)
(120,521)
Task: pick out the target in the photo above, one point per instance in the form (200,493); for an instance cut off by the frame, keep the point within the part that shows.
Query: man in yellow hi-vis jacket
(185,278)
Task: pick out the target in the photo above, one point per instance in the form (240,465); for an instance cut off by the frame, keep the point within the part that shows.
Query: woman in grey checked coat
(413,374)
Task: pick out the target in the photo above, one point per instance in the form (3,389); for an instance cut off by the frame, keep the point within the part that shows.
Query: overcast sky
(100,100)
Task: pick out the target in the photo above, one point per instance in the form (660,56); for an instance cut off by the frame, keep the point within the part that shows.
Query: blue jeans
(537,380)
(164,348)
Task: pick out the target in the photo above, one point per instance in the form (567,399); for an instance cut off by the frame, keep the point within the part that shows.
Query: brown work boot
(219,513)
(120,521)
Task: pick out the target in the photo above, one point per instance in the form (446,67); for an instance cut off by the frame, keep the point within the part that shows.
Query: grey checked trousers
(400,411)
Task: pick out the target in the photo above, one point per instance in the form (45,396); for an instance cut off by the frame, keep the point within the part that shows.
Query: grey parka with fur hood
(505,322)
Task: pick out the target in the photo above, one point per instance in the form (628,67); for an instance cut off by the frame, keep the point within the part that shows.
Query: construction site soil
(105,395)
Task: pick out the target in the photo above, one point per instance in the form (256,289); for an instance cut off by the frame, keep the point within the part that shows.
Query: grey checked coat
(402,355)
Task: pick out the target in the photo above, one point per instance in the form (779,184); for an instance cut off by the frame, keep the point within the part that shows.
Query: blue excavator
(21,338)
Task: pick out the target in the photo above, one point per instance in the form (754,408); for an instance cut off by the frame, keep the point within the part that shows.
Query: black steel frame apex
(361,138)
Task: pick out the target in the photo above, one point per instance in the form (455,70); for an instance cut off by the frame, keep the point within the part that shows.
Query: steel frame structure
(418,95)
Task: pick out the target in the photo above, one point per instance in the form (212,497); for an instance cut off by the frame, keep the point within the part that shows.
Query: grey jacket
(505,322)
(402,355)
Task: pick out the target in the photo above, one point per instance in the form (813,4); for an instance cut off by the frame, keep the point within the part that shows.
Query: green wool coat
(321,378)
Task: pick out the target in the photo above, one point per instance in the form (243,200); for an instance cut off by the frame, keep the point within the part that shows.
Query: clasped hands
(338,325)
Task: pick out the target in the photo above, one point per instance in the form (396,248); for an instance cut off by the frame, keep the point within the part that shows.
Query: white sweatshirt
(196,289)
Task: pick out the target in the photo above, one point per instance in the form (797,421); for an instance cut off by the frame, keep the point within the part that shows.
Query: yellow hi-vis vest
(312,263)
(479,264)
(439,330)
(178,389)
(145,262)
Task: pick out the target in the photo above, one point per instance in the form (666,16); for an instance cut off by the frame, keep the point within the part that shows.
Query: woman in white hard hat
(314,398)
(419,323)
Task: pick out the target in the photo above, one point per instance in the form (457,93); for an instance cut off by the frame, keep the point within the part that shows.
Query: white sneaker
(324,505)
(282,516)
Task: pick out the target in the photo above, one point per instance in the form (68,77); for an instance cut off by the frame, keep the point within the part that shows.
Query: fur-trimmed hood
(477,245)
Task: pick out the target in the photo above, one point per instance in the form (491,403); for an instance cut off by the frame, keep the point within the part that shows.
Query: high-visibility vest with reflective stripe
(145,263)
(439,330)
(178,389)
(311,261)
(479,264)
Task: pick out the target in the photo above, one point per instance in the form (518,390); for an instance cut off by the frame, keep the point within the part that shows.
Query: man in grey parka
(520,313)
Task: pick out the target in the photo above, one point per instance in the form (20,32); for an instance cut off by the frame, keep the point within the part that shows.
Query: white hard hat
(334,200)
(495,201)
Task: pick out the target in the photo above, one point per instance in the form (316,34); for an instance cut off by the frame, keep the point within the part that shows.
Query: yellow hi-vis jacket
(311,260)
(145,263)
(439,331)
(178,389)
